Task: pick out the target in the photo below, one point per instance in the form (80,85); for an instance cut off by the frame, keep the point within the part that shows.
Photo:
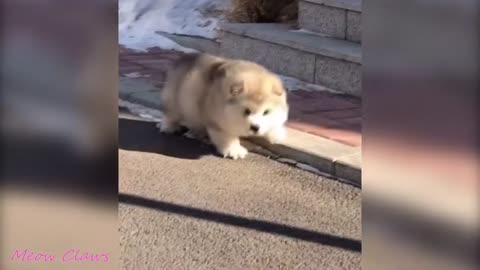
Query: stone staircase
(336,18)
(326,50)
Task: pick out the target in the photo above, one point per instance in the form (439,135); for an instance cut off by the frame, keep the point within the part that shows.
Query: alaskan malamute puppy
(226,99)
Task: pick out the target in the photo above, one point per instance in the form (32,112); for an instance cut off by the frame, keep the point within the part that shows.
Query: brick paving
(324,114)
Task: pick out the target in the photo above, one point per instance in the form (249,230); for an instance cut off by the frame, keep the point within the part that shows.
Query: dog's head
(255,99)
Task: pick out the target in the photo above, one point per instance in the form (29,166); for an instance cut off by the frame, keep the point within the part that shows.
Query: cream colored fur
(226,99)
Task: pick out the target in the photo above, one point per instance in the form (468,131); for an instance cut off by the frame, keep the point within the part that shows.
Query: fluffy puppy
(226,99)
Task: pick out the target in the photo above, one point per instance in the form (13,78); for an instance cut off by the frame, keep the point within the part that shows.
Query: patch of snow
(196,17)
(135,75)
(139,20)
(142,111)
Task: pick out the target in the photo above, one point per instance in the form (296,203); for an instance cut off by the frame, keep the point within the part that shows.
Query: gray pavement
(181,207)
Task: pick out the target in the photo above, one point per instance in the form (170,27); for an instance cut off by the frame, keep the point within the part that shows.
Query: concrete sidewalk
(325,128)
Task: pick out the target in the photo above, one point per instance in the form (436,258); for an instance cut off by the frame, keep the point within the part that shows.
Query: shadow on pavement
(49,165)
(254,224)
(137,135)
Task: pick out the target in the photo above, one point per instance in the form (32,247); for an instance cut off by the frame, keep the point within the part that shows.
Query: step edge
(355,57)
(337,4)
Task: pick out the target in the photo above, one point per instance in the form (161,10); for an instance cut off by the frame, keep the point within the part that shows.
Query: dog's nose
(254,128)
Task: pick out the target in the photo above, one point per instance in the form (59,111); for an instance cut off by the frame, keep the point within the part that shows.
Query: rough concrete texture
(354,26)
(326,20)
(330,62)
(285,35)
(183,208)
(337,74)
(150,99)
(281,59)
(349,167)
(128,87)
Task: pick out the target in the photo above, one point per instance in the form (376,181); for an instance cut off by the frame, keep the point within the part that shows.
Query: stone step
(336,18)
(316,59)
(197,43)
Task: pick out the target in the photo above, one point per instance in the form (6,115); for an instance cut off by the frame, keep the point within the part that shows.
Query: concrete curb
(326,156)
(305,151)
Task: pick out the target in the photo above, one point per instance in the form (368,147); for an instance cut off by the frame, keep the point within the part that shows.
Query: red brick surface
(320,113)
(327,115)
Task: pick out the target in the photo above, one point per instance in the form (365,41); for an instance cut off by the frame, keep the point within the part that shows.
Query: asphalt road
(183,208)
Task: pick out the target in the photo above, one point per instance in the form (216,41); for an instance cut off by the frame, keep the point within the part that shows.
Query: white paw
(277,135)
(235,151)
(165,127)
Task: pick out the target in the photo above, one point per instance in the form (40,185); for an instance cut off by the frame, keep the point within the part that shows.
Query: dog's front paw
(277,135)
(166,128)
(234,151)
(170,128)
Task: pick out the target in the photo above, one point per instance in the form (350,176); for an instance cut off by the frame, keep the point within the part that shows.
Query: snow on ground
(146,113)
(140,20)
(135,75)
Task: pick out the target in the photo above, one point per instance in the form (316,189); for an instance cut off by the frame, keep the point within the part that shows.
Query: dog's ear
(237,88)
(218,70)
(278,90)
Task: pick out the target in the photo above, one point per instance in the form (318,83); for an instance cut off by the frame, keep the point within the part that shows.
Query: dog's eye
(247,112)
(266,112)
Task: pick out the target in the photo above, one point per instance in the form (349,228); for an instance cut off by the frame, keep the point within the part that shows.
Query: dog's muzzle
(254,128)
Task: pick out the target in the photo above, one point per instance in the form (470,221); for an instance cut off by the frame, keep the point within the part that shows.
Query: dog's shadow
(143,136)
